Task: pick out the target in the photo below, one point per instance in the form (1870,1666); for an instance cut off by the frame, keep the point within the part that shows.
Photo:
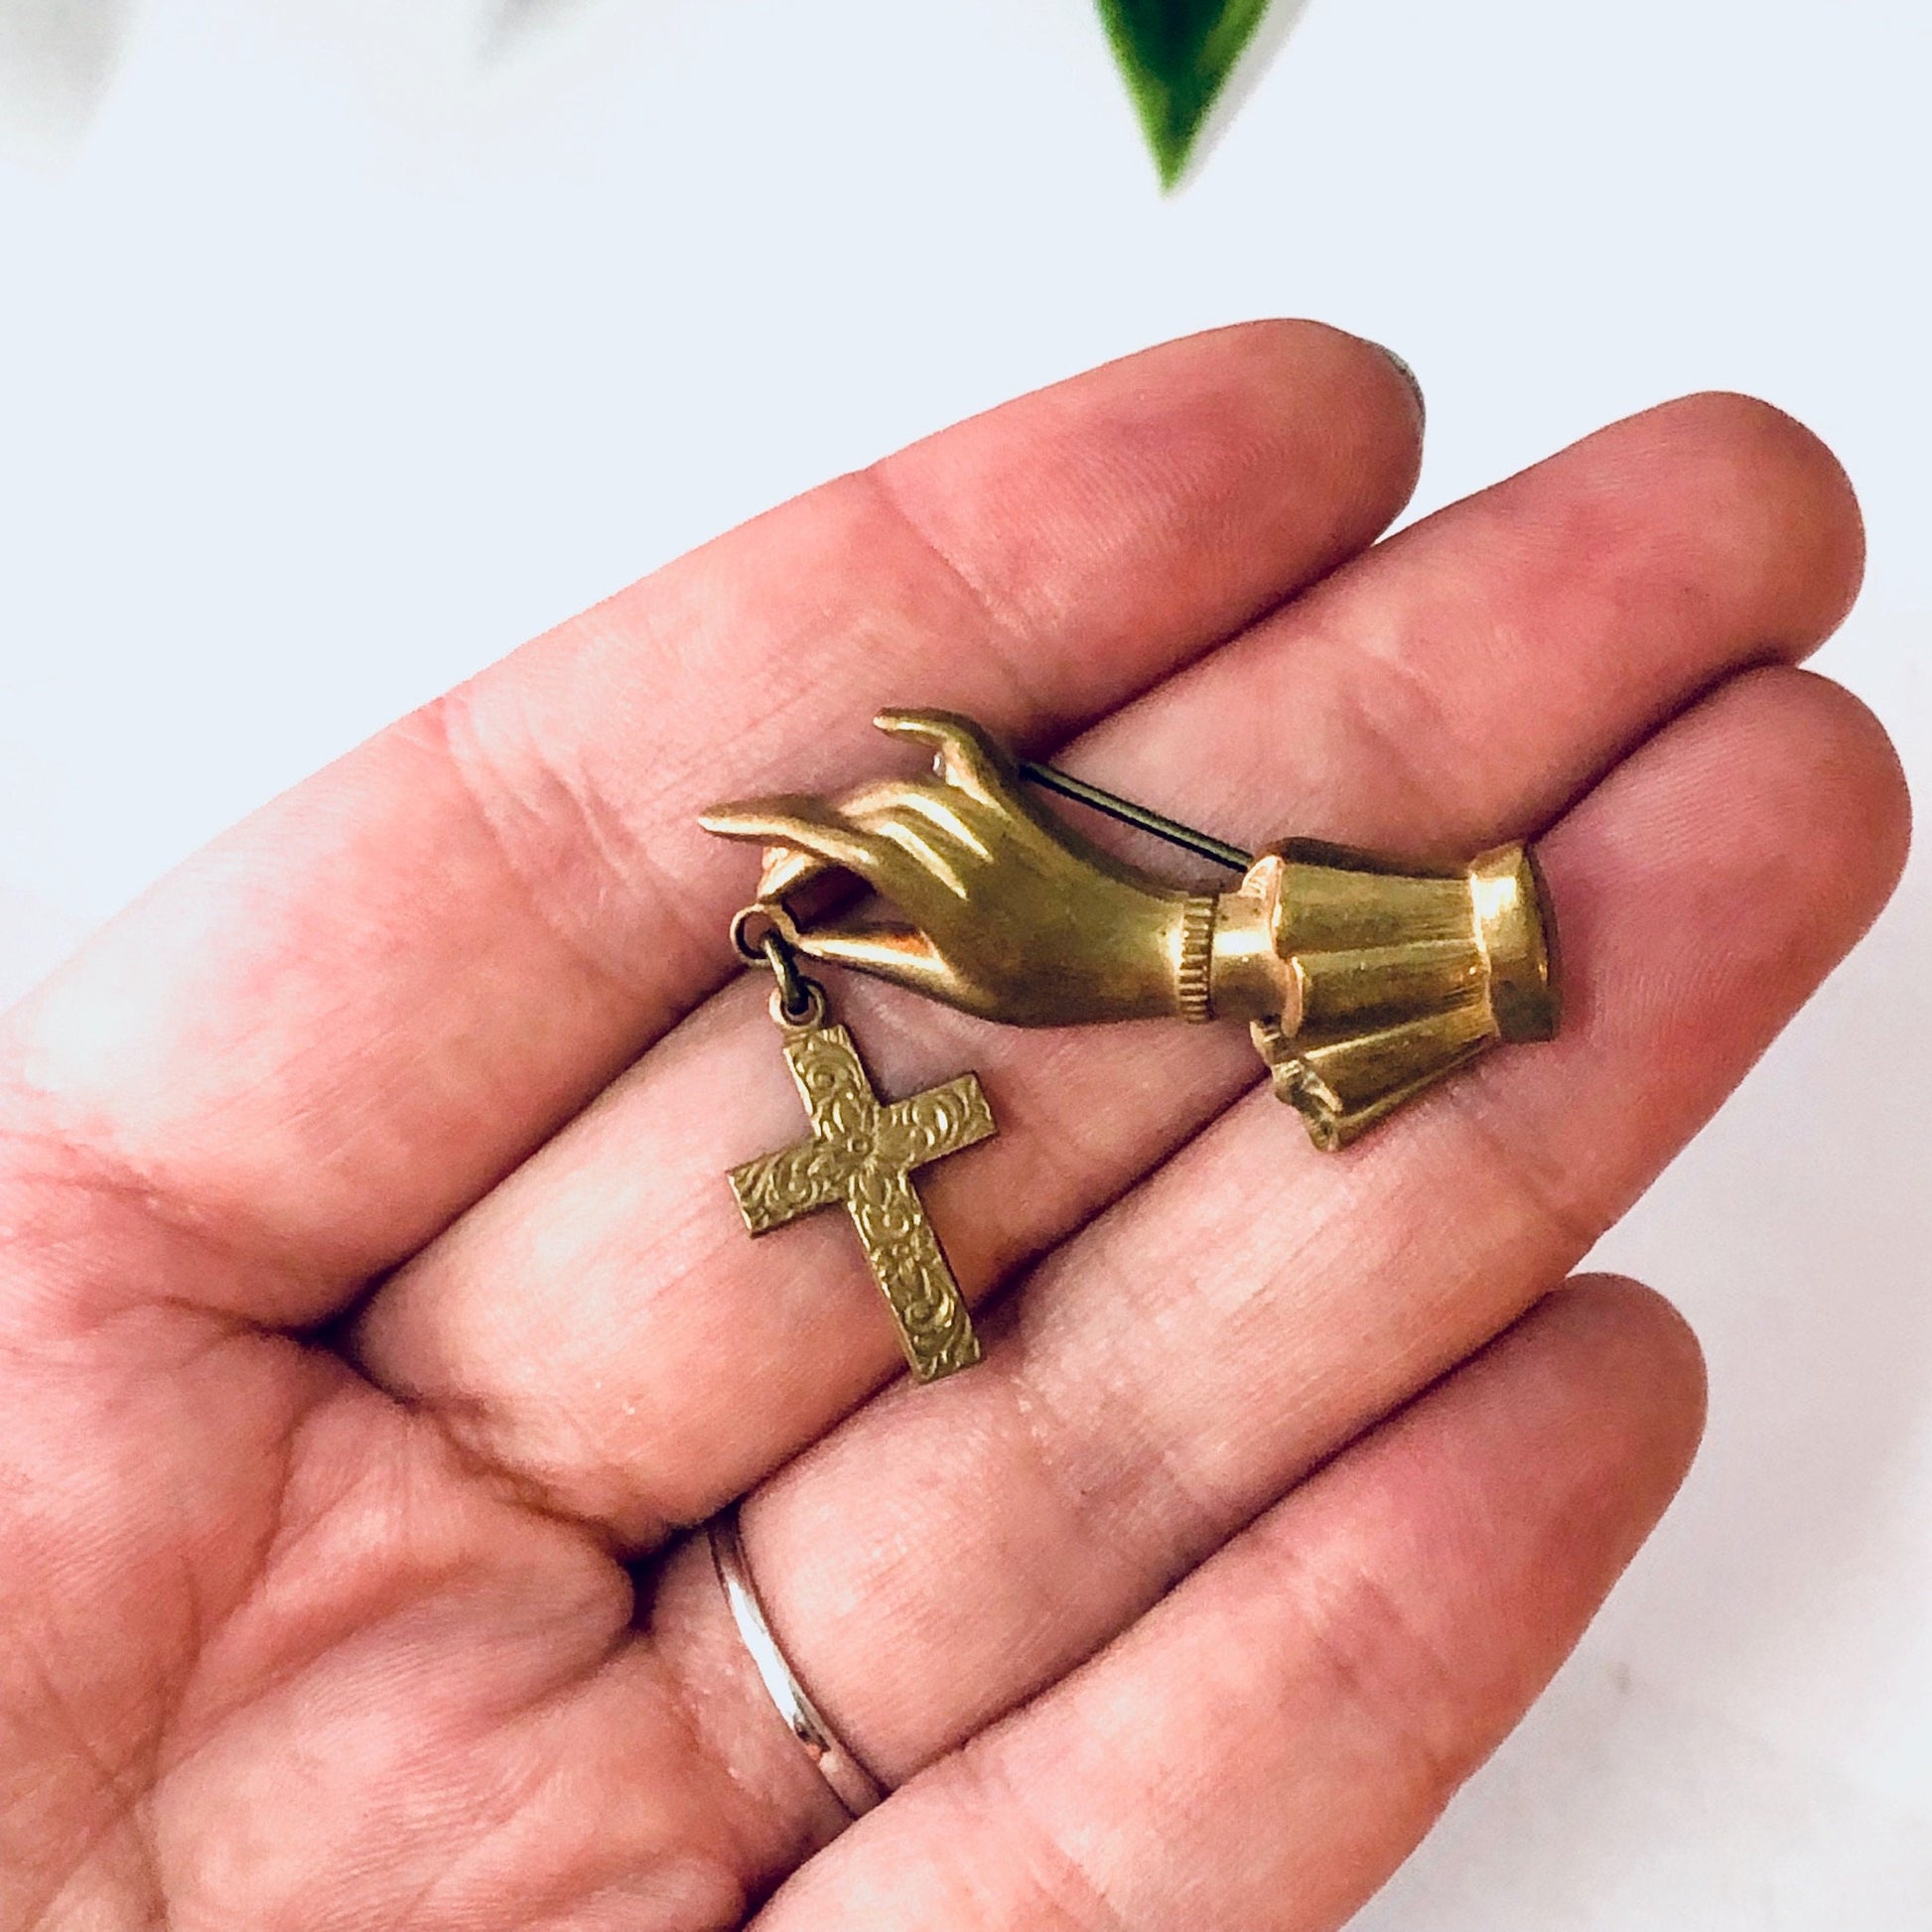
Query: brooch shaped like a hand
(1363,981)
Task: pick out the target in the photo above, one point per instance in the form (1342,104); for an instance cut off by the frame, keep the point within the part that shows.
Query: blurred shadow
(1774,1633)
(1809,1219)
(57,60)
(1280,21)
(1826,1330)
(505,22)
(1618,1806)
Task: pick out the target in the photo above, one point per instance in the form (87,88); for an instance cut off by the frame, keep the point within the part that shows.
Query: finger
(890,948)
(863,832)
(1267,1744)
(810,825)
(1254,1305)
(965,755)
(1705,536)
(320,1040)
(785,870)
(1555,617)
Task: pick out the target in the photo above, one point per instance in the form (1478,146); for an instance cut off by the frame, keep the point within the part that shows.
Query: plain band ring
(852,1784)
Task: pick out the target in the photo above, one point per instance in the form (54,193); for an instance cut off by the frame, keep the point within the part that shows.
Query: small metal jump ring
(810,1015)
(777,919)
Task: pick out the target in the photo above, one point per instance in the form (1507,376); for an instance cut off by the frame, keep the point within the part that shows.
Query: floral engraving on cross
(861,1157)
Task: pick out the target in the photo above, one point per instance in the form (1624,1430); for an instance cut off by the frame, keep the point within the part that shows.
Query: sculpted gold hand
(1362,981)
(998,907)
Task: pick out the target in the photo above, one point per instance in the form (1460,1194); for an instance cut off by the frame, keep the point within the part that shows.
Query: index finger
(323,1037)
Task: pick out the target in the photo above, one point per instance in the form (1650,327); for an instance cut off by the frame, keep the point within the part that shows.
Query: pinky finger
(1268,1743)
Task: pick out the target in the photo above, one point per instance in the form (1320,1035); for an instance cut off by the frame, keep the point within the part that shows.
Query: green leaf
(1176,56)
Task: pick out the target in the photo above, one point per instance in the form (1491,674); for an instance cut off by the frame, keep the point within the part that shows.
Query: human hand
(360,1374)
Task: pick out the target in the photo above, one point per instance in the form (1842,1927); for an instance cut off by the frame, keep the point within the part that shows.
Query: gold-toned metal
(1363,980)
(1000,908)
(1385,981)
(861,1157)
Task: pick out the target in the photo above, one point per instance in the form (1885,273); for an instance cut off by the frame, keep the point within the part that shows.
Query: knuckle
(1376,1660)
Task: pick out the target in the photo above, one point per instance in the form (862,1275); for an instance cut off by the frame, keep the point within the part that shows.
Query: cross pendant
(861,1157)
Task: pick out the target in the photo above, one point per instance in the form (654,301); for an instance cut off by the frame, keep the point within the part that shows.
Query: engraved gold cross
(861,1156)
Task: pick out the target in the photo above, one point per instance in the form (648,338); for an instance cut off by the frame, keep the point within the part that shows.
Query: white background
(345,342)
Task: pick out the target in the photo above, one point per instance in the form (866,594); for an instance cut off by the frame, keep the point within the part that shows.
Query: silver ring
(852,1784)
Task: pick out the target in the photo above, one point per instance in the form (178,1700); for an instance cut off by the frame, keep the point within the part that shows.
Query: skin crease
(358,1381)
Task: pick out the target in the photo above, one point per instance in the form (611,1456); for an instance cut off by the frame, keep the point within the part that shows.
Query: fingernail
(1409,376)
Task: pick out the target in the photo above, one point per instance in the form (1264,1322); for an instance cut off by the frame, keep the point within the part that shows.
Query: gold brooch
(1362,981)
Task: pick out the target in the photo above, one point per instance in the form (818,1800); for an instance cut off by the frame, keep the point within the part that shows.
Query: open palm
(377,1317)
